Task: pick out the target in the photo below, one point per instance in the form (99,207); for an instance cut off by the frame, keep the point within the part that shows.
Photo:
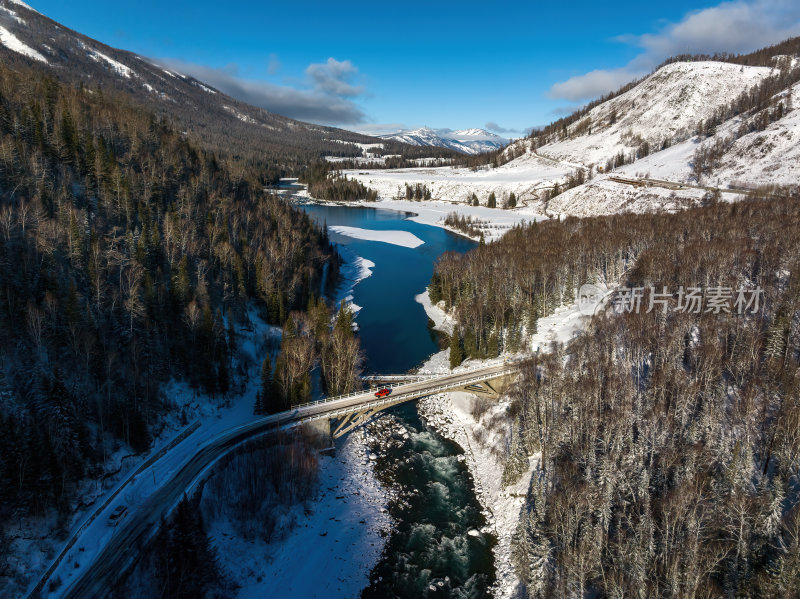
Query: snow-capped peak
(477,135)
(468,141)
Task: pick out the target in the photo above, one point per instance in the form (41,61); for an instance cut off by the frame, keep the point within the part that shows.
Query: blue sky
(383,65)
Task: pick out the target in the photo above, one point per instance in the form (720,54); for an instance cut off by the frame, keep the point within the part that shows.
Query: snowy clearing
(524,176)
(401,238)
(332,551)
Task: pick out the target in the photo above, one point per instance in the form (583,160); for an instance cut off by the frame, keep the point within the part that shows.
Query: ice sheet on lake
(401,238)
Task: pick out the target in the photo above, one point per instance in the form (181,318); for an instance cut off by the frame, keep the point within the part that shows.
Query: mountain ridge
(220,122)
(467,141)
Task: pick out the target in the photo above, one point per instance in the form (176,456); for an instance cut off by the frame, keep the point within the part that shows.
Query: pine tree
(512,200)
(456,353)
(492,202)
(470,344)
(258,407)
(493,349)
(187,566)
(266,393)
(517,462)
(531,552)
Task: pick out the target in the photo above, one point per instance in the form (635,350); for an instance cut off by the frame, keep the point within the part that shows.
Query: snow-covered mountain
(31,40)
(689,131)
(667,105)
(468,141)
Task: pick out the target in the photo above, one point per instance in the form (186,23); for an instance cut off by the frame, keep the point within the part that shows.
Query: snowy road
(128,539)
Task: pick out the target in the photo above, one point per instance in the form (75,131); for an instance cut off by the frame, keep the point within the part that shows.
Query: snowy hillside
(756,147)
(467,141)
(29,39)
(665,106)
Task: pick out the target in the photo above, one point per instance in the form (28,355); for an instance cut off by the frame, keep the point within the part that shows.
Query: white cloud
(335,77)
(493,126)
(380,128)
(734,27)
(326,97)
(592,84)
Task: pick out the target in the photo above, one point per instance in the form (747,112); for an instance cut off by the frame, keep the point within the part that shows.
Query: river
(434,549)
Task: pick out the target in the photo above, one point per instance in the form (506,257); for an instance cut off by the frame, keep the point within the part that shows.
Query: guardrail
(392,399)
(391,386)
(422,377)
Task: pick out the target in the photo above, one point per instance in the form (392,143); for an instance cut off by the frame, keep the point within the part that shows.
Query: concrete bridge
(483,381)
(335,417)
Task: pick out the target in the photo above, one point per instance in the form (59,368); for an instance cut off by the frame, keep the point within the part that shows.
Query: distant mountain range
(30,39)
(467,141)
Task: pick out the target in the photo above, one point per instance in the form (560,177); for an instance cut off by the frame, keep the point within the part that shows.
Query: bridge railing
(406,396)
(453,385)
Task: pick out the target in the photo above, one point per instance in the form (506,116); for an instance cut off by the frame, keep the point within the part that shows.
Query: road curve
(123,548)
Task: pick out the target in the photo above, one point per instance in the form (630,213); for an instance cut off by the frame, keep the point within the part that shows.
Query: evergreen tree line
(336,187)
(417,192)
(466,224)
(127,255)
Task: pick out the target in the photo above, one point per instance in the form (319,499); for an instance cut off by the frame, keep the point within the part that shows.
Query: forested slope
(669,439)
(127,254)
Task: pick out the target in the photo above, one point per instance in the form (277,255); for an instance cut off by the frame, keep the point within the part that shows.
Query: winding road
(123,548)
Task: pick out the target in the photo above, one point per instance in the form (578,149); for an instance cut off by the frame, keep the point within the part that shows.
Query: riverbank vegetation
(309,340)
(259,489)
(325,183)
(669,439)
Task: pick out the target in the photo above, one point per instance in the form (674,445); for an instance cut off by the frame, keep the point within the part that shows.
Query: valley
(201,295)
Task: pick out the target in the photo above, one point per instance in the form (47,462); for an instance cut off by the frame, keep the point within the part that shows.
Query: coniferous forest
(669,442)
(127,255)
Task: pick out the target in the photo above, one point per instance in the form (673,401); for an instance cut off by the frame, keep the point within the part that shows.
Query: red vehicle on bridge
(383,392)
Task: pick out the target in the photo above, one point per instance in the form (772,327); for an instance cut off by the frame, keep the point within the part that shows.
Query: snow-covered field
(523,176)
(331,553)
(401,238)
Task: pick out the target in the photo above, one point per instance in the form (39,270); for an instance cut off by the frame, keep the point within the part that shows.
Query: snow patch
(13,15)
(10,41)
(208,90)
(98,56)
(242,117)
(354,270)
(343,536)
